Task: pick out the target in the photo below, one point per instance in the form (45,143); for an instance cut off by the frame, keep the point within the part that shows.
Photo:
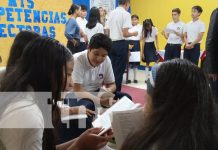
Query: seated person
(93,69)
(180,113)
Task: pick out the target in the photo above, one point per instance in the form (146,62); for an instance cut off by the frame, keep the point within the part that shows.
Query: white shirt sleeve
(202,27)
(109,76)
(155,31)
(78,71)
(127,23)
(28,135)
(100,28)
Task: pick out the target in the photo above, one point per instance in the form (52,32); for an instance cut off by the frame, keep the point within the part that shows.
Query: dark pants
(119,59)
(73,49)
(192,54)
(66,134)
(82,46)
(172,51)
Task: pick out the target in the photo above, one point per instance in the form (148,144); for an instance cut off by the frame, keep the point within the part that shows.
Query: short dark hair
(198,8)
(135,16)
(72,9)
(83,7)
(122,2)
(100,40)
(177,10)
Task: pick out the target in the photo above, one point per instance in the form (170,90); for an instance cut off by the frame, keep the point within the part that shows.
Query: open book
(125,123)
(104,120)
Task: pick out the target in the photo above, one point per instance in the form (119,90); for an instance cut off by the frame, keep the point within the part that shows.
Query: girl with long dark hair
(94,26)
(181,113)
(150,38)
(44,67)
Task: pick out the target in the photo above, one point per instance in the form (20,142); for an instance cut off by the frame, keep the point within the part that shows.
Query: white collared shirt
(137,28)
(117,21)
(82,24)
(97,29)
(152,37)
(193,29)
(92,78)
(178,27)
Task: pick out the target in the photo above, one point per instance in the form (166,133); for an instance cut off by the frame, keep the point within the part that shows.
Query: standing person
(193,34)
(134,41)
(212,52)
(174,35)
(82,24)
(93,26)
(103,14)
(72,31)
(118,24)
(150,38)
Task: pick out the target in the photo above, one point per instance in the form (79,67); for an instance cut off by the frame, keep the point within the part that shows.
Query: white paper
(73,117)
(104,120)
(125,123)
(135,57)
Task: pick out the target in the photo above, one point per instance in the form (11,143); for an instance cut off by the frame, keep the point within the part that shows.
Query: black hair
(100,40)
(198,8)
(135,16)
(94,17)
(20,41)
(83,7)
(43,67)
(73,9)
(177,10)
(183,116)
(123,2)
(147,23)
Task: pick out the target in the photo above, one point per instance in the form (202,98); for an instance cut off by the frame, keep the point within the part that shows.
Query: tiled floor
(141,79)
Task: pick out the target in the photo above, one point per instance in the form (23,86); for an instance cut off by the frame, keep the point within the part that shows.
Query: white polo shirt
(118,20)
(99,28)
(178,27)
(92,78)
(82,24)
(193,29)
(137,28)
(151,37)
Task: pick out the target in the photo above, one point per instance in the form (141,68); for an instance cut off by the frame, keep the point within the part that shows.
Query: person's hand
(107,102)
(81,110)
(135,33)
(214,77)
(163,33)
(189,46)
(75,42)
(90,140)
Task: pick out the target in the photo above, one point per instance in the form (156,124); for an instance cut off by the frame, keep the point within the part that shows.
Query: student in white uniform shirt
(118,24)
(134,43)
(24,120)
(193,34)
(150,45)
(82,24)
(93,69)
(93,26)
(174,35)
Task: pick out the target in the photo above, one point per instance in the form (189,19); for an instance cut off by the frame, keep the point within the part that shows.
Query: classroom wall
(160,12)
(49,22)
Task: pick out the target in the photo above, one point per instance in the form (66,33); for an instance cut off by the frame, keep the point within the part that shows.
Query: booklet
(104,120)
(125,123)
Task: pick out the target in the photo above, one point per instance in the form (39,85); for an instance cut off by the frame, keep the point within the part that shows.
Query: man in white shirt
(93,69)
(82,24)
(174,35)
(117,26)
(193,34)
